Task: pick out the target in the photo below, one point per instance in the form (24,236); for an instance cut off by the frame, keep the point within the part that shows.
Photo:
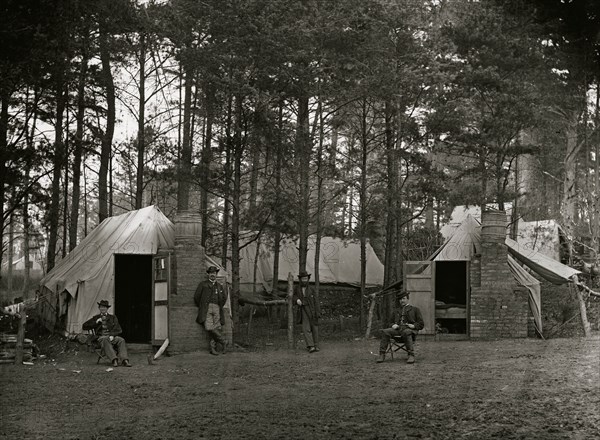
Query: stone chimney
(188,270)
(499,307)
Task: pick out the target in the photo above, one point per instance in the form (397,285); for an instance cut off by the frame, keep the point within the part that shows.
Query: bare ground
(493,389)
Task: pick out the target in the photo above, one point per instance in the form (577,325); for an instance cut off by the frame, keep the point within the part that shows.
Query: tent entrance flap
(133,296)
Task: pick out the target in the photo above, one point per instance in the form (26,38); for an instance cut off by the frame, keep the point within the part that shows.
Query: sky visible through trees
(362,119)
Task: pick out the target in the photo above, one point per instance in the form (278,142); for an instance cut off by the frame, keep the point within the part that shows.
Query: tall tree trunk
(227,182)
(596,191)
(318,215)
(392,185)
(483,182)
(206,160)
(255,150)
(141,137)
(303,150)
(26,221)
(185,168)
(106,149)
(78,151)
(363,209)
(26,260)
(11,255)
(391,238)
(278,165)
(569,202)
(235,219)
(65,194)
(4,101)
(58,162)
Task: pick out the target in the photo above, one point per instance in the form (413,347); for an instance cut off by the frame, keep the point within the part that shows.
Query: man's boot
(220,339)
(381,358)
(212,343)
(411,359)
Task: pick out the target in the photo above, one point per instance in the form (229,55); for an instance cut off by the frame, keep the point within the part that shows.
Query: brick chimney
(499,307)
(188,270)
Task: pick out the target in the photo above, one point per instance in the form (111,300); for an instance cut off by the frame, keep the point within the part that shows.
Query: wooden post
(370,317)
(20,336)
(582,310)
(249,325)
(290,310)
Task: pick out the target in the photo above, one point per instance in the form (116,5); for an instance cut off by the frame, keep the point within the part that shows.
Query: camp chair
(397,343)
(94,346)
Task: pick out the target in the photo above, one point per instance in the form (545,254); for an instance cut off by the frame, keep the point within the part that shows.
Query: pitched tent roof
(466,241)
(462,244)
(541,235)
(339,263)
(86,274)
(546,267)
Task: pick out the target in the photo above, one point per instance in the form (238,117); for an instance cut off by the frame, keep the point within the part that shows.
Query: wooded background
(367,119)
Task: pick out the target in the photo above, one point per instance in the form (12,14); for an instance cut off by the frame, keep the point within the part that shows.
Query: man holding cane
(308,313)
(406,322)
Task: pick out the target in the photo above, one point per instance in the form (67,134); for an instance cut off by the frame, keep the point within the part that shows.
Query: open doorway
(133,296)
(451,298)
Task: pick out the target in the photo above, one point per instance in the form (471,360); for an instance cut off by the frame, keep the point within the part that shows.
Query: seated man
(107,330)
(406,322)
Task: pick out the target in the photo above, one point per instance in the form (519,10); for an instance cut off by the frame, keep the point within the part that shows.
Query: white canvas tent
(542,236)
(339,263)
(87,273)
(466,241)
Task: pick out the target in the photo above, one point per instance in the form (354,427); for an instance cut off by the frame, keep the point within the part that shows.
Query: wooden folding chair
(94,346)
(397,343)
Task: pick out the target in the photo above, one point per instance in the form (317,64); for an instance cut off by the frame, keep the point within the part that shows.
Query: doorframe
(159,275)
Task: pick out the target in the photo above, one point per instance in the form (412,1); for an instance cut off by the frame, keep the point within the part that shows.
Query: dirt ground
(457,389)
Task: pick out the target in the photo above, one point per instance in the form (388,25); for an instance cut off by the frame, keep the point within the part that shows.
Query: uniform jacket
(112,325)
(412,315)
(202,296)
(309,303)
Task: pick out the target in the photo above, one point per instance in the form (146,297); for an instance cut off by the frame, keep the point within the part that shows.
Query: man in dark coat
(107,330)
(308,311)
(406,322)
(210,298)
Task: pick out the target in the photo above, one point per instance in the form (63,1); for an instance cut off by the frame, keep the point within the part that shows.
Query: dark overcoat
(412,315)
(113,328)
(202,296)
(309,304)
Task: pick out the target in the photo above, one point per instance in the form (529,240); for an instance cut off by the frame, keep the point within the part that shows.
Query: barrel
(188,224)
(493,226)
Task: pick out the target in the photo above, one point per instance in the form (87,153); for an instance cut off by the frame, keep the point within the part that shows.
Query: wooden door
(419,277)
(161,279)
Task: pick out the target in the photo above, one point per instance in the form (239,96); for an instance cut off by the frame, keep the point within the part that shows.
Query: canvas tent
(88,273)
(117,261)
(543,236)
(465,242)
(339,263)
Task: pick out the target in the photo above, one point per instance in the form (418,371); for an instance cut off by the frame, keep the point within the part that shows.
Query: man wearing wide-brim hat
(107,331)
(210,297)
(308,311)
